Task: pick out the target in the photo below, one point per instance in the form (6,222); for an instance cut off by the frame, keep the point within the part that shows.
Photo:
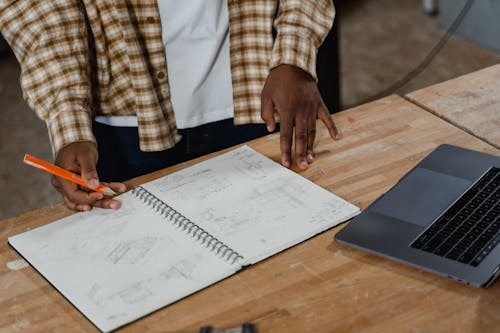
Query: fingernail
(304,164)
(100,197)
(114,205)
(86,208)
(338,136)
(94,182)
(310,157)
(270,128)
(285,163)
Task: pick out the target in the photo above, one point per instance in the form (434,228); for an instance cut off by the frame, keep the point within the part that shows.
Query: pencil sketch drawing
(178,234)
(130,252)
(94,290)
(182,269)
(136,293)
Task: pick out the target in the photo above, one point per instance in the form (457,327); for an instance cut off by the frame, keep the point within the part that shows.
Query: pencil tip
(109,192)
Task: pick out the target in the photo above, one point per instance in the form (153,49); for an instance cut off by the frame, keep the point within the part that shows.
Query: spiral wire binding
(189,227)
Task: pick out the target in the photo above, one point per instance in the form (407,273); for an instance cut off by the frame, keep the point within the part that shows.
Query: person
(129,87)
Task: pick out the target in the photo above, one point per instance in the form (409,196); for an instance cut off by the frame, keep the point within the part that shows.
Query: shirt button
(150,19)
(160,75)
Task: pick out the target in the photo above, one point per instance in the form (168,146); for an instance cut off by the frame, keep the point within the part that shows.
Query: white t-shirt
(195,35)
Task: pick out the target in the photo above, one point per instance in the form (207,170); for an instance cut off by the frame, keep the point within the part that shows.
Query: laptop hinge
(494,276)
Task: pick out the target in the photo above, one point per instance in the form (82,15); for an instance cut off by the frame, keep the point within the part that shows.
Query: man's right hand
(81,158)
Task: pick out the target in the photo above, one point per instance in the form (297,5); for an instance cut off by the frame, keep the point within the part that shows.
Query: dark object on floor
(245,328)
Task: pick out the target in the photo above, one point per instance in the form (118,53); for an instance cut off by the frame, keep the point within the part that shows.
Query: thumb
(88,170)
(267,113)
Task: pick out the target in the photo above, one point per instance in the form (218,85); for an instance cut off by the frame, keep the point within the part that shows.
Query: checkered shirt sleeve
(49,39)
(301,28)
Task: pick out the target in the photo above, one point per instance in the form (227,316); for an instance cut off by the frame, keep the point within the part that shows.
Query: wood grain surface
(316,286)
(471,102)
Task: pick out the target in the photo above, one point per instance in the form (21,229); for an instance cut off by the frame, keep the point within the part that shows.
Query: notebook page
(252,204)
(117,266)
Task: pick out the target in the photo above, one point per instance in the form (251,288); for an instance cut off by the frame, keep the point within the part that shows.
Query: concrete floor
(380,42)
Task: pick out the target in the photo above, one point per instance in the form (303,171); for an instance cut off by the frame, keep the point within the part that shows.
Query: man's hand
(81,158)
(293,93)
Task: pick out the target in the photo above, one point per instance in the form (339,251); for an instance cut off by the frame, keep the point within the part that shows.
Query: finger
(70,204)
(117,187)
(64,188)
(301,142)
(73,206)
(311,136)
(56,183)
(88,170)
(325,117)
(108,203)
(76,195)
(84,208)
(286,137)
(267,113)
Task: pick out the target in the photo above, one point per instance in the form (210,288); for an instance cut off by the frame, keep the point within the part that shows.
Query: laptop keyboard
(469,229)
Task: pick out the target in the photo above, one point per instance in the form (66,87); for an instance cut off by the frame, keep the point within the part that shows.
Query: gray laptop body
(399,217)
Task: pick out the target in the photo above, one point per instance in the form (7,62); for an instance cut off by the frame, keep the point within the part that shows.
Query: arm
(49,39)
(290,89)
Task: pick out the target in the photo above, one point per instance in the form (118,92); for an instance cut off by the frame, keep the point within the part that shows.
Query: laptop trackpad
(421,196)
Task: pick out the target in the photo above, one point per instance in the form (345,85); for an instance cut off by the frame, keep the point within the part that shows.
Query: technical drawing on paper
(236,221)
(183,269)
(271,201)
(94,290)
(197,186)
(248,165)
(278,195)
(330,211)
(131,252)
(136,293)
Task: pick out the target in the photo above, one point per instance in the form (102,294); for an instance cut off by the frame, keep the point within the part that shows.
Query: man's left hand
(294,95)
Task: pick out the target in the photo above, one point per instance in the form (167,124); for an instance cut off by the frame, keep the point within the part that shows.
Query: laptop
(443,216)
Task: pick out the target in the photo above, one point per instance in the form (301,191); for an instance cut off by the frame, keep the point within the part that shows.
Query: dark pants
(120,157)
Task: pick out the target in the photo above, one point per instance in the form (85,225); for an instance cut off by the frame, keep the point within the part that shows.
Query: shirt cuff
(72,123)
(294,50)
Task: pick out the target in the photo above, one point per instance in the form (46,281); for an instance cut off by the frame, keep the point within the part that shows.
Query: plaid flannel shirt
(81,58)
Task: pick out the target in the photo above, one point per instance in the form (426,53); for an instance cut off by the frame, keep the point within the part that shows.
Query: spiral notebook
(178,234)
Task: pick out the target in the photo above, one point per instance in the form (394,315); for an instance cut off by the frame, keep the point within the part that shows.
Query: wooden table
(316,286)
(470,102)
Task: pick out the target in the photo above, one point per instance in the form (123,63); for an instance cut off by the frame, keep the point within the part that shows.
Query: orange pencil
(65,174)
